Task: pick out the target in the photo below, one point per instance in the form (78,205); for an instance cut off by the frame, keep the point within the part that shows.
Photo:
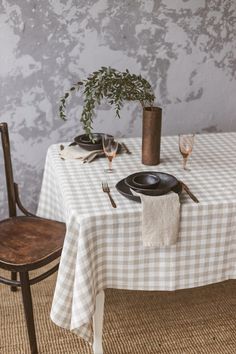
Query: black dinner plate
(85,142)
(167,183)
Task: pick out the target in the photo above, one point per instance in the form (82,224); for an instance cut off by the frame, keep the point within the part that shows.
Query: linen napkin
(75,152)
(160,219)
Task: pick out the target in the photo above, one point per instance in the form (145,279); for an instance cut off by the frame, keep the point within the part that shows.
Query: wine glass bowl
(186,147)
(110,146)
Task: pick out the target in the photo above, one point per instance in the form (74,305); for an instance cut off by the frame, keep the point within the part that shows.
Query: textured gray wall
(186,48)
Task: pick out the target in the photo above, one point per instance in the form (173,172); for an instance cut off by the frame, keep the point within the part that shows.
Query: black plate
(122,187)
(84,141)
(167,183)
(144,180)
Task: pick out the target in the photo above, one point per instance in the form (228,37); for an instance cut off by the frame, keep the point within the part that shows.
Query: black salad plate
(167,183)
(143,180)
(85,142)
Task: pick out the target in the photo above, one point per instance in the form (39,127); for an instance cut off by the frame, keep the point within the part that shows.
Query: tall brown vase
(151,137)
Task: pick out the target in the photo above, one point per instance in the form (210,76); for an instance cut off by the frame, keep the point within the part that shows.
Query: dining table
(103,246)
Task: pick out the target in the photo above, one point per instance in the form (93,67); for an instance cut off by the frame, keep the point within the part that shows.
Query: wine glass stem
(185,159)
(110,163)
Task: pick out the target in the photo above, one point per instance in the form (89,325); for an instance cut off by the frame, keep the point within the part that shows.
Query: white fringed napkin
(75,152)
(160,219)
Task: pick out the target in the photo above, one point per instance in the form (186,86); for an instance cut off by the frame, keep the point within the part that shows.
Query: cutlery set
(126,149)
(93,155)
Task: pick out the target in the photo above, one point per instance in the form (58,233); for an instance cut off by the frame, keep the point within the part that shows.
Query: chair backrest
(8,169)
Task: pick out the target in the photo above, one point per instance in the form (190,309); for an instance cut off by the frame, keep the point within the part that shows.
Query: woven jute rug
(201,320)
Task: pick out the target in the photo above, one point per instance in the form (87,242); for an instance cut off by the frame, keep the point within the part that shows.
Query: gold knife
(187,190)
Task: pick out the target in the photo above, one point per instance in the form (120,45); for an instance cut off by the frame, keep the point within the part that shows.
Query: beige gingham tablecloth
(103,247)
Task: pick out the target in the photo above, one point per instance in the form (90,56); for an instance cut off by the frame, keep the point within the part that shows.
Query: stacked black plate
(149,183)
(86,143)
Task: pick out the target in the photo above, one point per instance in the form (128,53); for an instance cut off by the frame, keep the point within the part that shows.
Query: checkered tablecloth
(103,247)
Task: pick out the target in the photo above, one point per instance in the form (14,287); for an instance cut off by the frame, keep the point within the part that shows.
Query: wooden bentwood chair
(26,243)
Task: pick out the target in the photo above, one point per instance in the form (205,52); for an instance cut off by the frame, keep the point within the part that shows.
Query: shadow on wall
(184,48)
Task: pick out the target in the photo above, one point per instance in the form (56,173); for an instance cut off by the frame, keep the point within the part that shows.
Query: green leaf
(113,85)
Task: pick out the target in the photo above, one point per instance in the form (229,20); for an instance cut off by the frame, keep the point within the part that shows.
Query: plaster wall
(185,48)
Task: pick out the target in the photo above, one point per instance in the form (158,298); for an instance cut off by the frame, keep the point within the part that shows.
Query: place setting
(152,183)
(159,193)
(148,183)
(88,148)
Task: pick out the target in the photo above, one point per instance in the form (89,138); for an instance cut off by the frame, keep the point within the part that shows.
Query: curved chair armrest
(18,202)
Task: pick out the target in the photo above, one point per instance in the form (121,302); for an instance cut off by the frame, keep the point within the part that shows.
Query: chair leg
(13,277)
(28,309)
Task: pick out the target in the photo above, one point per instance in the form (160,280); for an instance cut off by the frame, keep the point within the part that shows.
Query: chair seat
(28,240)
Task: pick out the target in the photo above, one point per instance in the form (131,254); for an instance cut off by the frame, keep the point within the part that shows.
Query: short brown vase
(151,136)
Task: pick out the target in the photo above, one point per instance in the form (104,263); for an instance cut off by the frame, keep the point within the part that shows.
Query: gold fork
(106,189)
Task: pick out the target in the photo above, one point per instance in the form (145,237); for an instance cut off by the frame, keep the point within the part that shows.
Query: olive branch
(110,84)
